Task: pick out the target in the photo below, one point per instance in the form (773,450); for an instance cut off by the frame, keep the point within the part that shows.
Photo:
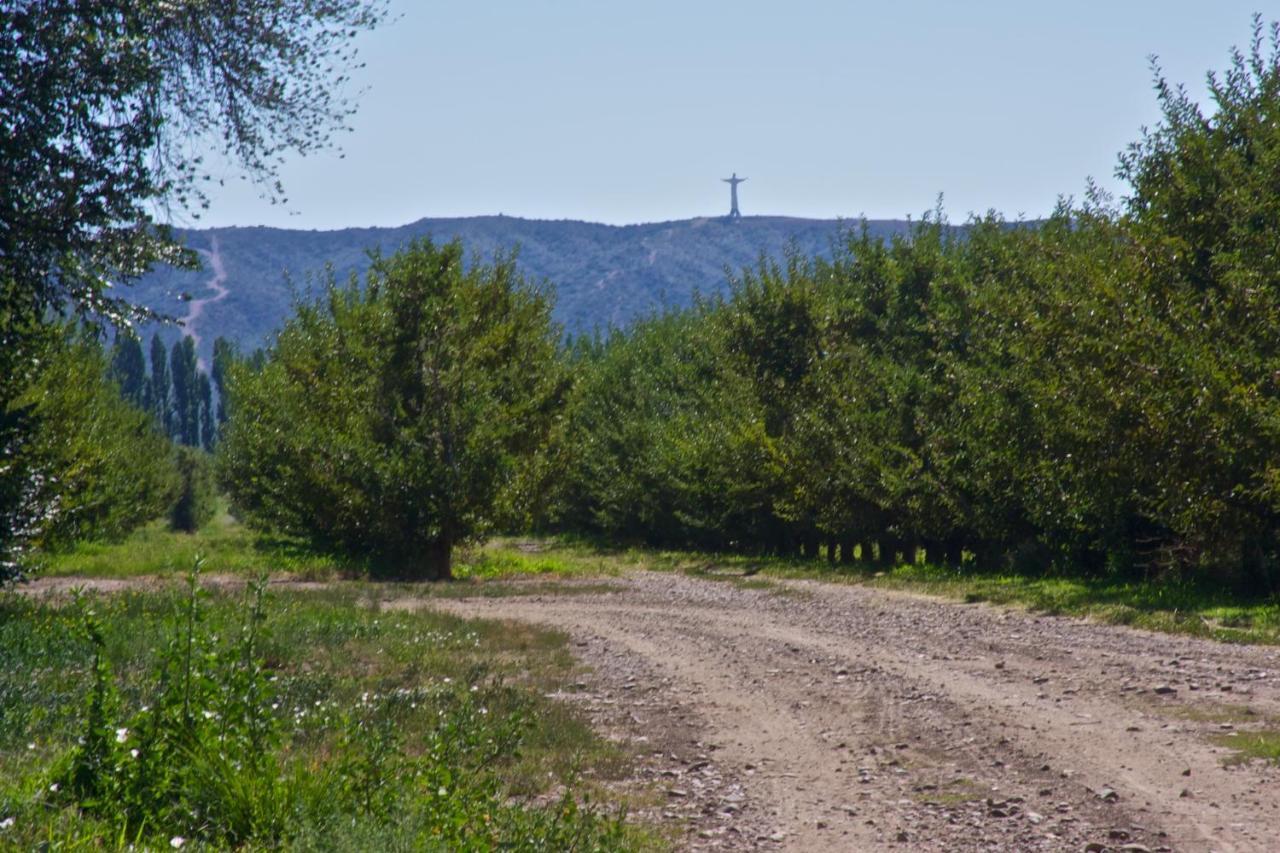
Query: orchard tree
(386,420)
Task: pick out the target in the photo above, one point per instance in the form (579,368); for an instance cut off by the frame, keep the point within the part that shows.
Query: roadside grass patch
(513,558)
(508,588)
(154,549)
(1247,746)
(291,718)
(1212,712)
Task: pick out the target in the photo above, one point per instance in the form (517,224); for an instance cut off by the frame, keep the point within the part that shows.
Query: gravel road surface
(804,716)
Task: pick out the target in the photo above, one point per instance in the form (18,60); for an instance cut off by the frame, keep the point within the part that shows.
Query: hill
(604,275)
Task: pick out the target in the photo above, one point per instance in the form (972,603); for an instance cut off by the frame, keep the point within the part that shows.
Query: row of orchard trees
(1099,390)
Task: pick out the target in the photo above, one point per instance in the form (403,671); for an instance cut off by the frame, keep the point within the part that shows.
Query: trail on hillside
(216,284)
(845,718)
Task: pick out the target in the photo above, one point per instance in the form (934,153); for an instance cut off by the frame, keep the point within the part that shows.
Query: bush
(198,491)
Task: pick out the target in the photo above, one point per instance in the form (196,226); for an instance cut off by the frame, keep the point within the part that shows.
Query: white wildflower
(177,841)
(122,735)
(6,823)
(54,787)
(134,753)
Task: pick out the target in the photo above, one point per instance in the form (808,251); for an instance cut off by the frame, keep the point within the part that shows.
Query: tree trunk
(433,563)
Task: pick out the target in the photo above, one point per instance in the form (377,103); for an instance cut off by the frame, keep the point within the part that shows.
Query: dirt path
(836,717)
(196,307)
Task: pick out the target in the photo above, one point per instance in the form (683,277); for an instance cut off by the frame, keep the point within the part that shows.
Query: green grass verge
(392,729)
(233,548)
(228,545)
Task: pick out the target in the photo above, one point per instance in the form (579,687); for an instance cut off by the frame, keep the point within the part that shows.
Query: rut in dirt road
(856,719)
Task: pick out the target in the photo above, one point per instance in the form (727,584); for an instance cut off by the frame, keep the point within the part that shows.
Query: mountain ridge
(603,275)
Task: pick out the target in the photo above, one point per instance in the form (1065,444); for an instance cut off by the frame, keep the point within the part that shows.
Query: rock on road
(809,716)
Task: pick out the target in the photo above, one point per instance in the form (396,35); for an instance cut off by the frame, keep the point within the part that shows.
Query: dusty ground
(814,716)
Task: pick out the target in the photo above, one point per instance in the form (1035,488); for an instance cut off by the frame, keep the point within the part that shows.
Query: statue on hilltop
(733,195)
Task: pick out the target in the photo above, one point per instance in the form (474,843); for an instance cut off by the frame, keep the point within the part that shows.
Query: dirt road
(815,716)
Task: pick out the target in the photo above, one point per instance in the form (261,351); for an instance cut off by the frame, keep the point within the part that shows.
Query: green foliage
(197,492)
(386,421)
(312,723)
(186,397)
(100,464)
(1096,391)
(129,369)
(103,100)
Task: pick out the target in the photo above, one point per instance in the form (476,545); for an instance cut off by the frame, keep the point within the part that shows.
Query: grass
(154,549)
(1247,746)
(1212,712)
(345,675)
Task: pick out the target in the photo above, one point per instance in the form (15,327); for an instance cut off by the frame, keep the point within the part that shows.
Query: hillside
(604,275)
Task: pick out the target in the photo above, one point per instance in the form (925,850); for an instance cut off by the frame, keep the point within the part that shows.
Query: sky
(632,112)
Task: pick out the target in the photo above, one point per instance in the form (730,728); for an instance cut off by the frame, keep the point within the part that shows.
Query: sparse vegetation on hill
(604,276)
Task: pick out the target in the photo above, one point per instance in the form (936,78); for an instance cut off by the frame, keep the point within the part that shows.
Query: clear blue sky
(621,113)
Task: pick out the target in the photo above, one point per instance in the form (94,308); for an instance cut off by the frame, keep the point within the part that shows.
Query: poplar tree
(129,369)
(186,399)
(161,399)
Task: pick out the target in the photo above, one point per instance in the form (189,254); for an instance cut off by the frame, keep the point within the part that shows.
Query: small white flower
(122,735)
(31,745)
(177,841)
(444,792)
(209,715)
(6,823)
(134,753)
(54,787)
